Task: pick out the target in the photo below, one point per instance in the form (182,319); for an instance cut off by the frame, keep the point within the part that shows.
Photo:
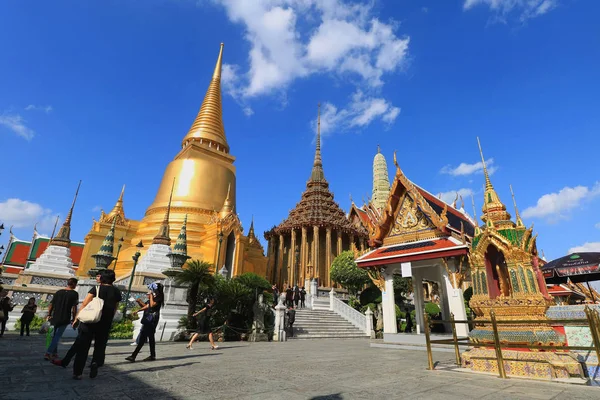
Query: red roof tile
(422,250)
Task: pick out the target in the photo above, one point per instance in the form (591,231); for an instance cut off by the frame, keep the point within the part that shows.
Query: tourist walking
(61,312)
(296,296)
(28,314)
(204,325)
(302,297)
(289,297)
(290,318)
(97,331)
(275,295)
(151,309)
(5,308)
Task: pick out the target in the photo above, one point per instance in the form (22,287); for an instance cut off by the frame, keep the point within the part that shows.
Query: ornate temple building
(202,182)
(304,245)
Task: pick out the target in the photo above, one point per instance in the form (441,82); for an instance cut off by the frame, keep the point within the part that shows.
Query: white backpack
(92,313)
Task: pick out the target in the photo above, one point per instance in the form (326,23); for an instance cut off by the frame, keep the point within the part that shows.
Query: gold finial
(395,161)
(488,183)
(543,255)
(455,200)
(164,235)
(462,203)
(317,174)
(351,200)
(477,230)
(208,126)
(63,237)
(517,215)
(378,149)
(117,211)
(227,205)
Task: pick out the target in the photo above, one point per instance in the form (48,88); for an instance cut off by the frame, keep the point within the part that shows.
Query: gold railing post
(428,340)
(499,358)
(593,323)
(455,338)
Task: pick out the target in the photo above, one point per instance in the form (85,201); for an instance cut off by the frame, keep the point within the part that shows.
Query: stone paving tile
(326,369)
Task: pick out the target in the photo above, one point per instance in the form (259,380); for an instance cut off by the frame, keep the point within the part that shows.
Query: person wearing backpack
(149,321)
(99,328)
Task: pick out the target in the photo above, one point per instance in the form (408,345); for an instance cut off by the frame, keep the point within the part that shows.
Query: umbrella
(578,267)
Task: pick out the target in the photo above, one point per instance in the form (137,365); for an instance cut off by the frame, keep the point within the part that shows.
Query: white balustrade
(351,315)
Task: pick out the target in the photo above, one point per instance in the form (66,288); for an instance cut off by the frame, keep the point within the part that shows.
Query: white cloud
(468,169)
(33,107)
(96,208)
(587,246)
(449,197)
(294,39)
(361,111)
(25,214)
(597,225)
(17,124)
(525,8)
(557,205)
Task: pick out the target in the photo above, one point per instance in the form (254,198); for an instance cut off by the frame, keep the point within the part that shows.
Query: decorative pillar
(388,303)
(316,253)
(339,243)
(362,244)
(352,244)
(328,256)
(292,279)
(456,303)
(369,323)
(418,298)
(280,262)
(304,255)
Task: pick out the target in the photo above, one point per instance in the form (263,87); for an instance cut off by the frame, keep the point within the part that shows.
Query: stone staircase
(320,323)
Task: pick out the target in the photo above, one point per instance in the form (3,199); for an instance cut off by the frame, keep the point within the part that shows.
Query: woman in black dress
(149,321)
(6,307)
(28,314)
(204,325)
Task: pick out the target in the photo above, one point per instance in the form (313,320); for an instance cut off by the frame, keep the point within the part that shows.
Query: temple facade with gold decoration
(304,245)
(202,182)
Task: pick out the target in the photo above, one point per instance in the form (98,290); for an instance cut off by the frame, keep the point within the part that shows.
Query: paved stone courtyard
(325,369)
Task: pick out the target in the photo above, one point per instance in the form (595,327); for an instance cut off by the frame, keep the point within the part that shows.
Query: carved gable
(410,224)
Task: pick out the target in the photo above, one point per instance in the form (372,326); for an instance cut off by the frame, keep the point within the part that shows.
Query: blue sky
(104,91)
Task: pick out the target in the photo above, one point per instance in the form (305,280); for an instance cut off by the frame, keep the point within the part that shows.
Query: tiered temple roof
(317,206)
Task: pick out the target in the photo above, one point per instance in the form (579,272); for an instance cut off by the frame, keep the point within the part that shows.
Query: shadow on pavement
(336,396)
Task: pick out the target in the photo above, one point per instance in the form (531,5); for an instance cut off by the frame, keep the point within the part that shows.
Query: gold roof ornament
(493,209)
(477,230)
(163,236)
(227,205)
(517,215)
(117,213)
(208,125)
(63,237)
(317,174)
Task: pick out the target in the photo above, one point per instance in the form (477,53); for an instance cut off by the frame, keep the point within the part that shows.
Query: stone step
(303,330)
(328,336)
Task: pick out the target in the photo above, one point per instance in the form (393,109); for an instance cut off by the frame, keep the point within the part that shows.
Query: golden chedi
(203,179)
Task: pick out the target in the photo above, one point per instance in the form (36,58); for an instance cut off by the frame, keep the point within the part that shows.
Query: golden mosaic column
(303,255)
(328,254)
(316,252)
(292,264)
(280,262)
(339,243)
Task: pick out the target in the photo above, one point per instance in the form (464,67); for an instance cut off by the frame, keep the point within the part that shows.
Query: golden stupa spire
(318,174)
(477,230)
(208,126)
(517,215)
(163,236)
(63,237)
(117,212)
(228,204)
(493,209)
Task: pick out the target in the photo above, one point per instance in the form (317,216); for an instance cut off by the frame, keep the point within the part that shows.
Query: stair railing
(364,322)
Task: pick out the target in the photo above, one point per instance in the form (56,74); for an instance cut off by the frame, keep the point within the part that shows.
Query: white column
(369,325)
(331,297)
(389,304)
(456,303)
(418,298)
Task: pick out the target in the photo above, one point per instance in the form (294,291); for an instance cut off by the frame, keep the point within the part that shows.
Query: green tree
(197,274)
(345,272)
(402,288)
(254,282)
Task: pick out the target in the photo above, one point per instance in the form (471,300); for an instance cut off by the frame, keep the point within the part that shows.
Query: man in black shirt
(61,312)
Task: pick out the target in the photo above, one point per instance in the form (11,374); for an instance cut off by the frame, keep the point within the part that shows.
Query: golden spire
(208,125)
(63,237)
(318,174)
(517,215)
(493,209)
(117,212)
(163,236)
(227,205)
(477,230)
